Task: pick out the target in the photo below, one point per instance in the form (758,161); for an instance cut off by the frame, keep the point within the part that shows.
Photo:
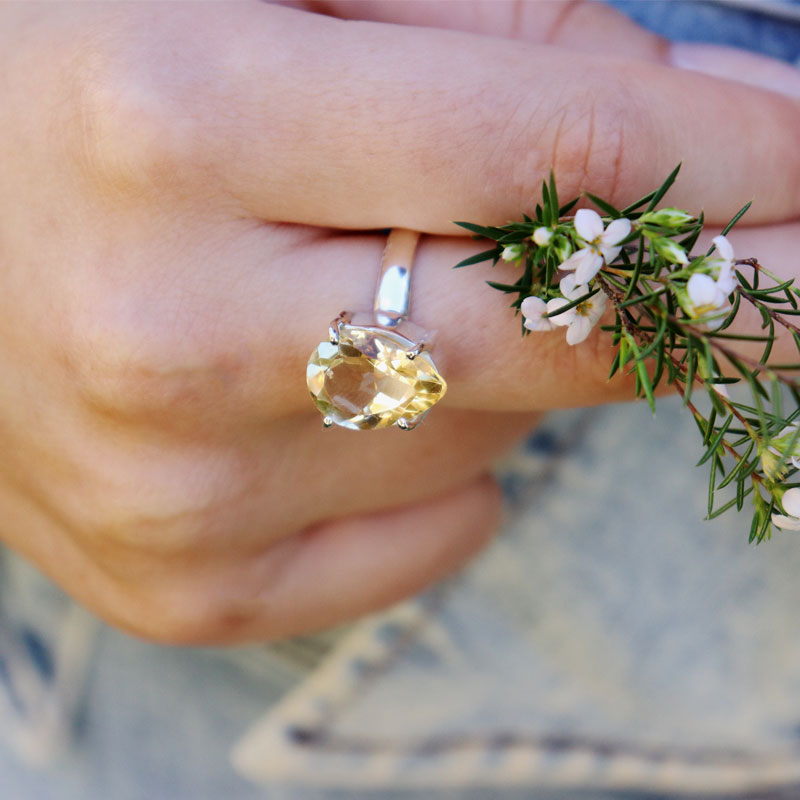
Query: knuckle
(137,135)
(583,140)
(131,365)
(589,141)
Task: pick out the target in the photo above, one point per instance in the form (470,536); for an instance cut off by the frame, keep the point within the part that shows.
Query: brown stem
(762,306)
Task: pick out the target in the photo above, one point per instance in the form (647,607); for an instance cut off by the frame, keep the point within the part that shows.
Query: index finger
(361,125)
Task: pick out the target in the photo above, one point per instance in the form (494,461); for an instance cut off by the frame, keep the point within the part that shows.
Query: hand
(179,184)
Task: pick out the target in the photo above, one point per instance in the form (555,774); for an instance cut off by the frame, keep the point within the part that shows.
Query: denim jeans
(608,644)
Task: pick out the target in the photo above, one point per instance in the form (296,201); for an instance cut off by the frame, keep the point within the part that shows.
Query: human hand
(179,183)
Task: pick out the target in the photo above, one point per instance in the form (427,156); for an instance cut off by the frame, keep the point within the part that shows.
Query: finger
(384,125)
(345,568)
(775,247)
(486,362)
(320,577)
(584,25)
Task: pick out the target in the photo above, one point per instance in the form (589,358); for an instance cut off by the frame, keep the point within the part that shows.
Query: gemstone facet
(367,380)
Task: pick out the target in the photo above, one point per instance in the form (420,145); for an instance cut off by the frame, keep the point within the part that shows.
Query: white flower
(542,236)
(704,298)
(706,295)
(779,444)
(723,265)
(601,245)
(791,505)
(579,319)
(534,310)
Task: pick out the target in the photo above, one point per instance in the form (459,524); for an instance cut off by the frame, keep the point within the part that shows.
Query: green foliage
(663,337)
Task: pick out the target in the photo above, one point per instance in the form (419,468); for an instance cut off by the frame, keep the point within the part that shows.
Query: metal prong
(327,422)
(415,351)
(333,329)
(407,424)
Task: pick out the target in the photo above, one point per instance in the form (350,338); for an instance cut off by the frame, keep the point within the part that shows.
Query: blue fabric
(687,21)
(567,608)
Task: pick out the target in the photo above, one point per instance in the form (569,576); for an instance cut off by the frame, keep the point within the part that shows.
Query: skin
(190,195)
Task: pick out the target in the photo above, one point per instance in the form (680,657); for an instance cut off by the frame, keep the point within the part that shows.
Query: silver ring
(376,370)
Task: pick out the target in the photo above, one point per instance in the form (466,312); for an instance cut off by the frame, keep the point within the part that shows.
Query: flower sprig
(673,323)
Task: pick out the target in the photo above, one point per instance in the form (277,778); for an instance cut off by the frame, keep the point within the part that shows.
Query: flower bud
(769,465)
(542,236)
(666,217)
(670,250)
(514,252)
(562,247)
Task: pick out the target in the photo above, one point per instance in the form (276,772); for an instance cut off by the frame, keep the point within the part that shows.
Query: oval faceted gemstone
(367,381)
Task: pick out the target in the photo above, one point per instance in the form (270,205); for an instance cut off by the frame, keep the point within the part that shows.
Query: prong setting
(327,422)
(333,329)
(415,351)
(407,424)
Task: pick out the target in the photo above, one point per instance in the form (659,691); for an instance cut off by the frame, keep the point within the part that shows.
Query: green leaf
(736,217)
(664,188)
(754,525)
(691,366)
(603,205)
(712,478)
(566,208)
(715,442)
(614,365)
(486,255)
(740,468)
(505,287)
(765,526)
(730,504)
(712,418)
(554,209)
(482,230)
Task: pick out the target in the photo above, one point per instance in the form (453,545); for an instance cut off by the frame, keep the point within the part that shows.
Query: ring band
(393,293)
(376,369)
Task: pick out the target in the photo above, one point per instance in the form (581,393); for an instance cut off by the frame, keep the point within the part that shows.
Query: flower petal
(724,247)
(578,329)
(589,267)
(565,317)
(609,253)
(539,324)
(712,323)
(596,307)
(571,288)
(727,280)
(702,290)
(791,502)
(786,523)
(576,259)
(616,231)
(533,307)
(588,224)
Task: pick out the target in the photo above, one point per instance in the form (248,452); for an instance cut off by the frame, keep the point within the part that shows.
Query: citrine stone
(367,380)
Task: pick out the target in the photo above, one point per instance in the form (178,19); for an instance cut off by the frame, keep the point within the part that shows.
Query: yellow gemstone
(367,381)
